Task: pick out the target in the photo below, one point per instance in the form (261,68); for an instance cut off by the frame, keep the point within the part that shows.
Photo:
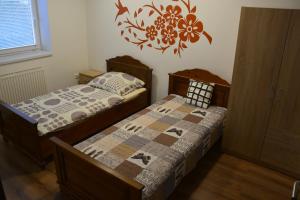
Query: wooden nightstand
(86,76)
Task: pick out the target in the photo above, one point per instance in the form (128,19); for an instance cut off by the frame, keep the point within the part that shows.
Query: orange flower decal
(173,15)
(168,29)
(190,28)
(151,32)
(160,23)
(169,35)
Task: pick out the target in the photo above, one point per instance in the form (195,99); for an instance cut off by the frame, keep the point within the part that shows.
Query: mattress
(134,94)
(63,107)
(159,145)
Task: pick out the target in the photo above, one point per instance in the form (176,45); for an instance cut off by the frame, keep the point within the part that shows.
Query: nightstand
(86,76)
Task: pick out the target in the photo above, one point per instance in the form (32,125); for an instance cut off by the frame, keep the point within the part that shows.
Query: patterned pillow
(117,82)
(199,94)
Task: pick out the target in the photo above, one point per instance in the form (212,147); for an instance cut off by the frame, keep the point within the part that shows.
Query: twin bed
(146,155)
(98,156)
(72,114)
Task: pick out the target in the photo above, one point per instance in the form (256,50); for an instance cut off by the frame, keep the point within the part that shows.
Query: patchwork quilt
(159,145)
(63,107)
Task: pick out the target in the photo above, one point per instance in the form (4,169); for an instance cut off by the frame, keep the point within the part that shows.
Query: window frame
(42,46)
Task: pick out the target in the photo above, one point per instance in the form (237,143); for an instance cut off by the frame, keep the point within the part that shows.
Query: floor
(217,177)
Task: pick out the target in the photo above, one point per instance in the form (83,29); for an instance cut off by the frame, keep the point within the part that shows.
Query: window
(20,30)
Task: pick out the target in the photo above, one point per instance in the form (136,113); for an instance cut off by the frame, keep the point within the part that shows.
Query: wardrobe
(263,123)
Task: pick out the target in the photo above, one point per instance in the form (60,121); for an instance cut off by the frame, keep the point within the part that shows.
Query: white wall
(221,20)
(67,19)
(84,34)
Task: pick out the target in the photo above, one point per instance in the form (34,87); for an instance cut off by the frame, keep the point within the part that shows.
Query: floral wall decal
(172,27)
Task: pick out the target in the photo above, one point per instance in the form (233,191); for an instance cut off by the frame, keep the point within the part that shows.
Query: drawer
(84,79)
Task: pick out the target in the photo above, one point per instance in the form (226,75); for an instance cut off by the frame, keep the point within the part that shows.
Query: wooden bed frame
(22,131)
(81,177)
(179,83)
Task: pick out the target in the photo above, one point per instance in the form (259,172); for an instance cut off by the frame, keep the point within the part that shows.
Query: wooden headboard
(179,83)
(129,65)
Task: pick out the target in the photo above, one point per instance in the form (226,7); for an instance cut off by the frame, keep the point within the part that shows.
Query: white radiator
(19,86)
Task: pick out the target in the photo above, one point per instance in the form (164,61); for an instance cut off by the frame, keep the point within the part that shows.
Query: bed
(24,131)
(146,155)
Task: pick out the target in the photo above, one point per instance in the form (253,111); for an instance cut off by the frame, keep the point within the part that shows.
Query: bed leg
(42,164)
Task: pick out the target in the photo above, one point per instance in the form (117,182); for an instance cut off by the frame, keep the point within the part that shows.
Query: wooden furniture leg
(2,195)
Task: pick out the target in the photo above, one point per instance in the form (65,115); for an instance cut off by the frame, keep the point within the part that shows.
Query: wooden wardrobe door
(282,144)
(261,42)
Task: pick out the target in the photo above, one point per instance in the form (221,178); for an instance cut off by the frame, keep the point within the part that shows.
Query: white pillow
(117,82)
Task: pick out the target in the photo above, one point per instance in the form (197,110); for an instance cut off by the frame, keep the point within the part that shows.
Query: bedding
(117,82)
(159,145)
(66,106)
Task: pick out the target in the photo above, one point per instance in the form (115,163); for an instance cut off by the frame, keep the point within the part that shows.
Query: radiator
(22,85)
